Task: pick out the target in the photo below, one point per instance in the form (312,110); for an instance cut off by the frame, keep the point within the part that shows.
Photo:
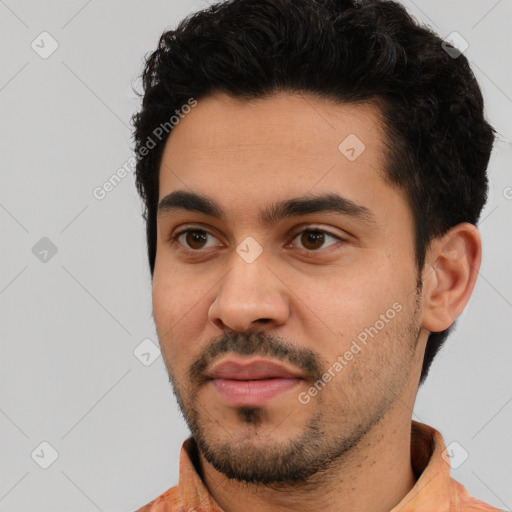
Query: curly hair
(438,142)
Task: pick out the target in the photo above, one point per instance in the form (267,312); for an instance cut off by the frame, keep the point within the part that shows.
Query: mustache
(251,344)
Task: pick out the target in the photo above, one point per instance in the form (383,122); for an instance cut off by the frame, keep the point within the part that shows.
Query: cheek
(176,294)
(372,360)
(363,303)
(176,311)
(164,304)
(350,297)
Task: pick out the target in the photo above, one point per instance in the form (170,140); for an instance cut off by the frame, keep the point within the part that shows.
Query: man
(312,173)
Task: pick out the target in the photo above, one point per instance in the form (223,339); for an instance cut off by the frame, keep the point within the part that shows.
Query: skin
(246,155)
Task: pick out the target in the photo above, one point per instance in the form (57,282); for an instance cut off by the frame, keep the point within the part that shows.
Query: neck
(373,477)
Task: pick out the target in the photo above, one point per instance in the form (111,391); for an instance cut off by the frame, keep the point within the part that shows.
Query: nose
(249,294)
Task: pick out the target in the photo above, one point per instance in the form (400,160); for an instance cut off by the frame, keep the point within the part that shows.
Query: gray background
(70,324)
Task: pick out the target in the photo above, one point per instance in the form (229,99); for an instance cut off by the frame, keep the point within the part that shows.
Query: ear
(451,269)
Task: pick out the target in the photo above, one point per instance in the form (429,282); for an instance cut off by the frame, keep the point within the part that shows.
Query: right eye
(193,239)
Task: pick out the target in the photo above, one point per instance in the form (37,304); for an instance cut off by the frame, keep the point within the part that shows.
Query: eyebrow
(294,207)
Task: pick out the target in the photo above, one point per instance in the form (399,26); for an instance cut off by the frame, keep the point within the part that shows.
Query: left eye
(314,239)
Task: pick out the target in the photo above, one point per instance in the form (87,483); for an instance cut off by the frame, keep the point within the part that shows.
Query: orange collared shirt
(434,491)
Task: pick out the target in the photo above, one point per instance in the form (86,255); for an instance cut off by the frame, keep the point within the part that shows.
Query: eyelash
(174,239)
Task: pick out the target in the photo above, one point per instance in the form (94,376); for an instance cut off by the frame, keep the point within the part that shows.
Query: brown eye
(315,239)
(312,240)
(193,241)
(195,238)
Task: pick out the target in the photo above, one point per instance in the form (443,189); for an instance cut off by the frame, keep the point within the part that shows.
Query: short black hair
(350,51)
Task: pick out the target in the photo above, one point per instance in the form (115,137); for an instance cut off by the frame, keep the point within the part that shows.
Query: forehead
(242,152)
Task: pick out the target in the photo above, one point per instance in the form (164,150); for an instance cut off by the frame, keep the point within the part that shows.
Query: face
(284,289)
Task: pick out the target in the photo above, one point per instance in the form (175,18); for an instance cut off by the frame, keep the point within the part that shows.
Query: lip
(253,382)
(251,369)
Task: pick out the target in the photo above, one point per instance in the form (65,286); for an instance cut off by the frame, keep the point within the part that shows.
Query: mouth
(251,382)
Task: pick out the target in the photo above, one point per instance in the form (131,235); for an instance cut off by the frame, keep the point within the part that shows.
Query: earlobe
(451,269)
